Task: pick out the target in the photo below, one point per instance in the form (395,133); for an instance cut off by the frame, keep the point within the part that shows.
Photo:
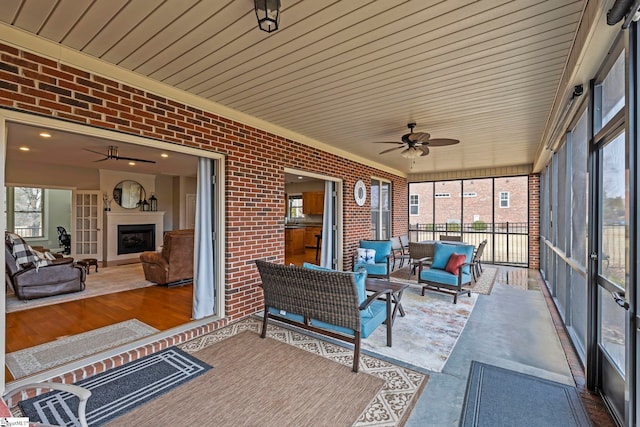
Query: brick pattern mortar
(255,159)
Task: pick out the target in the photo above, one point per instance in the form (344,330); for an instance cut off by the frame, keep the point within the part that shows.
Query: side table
(86,263)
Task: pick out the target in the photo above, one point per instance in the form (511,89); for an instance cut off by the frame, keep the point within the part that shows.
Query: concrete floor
(512,328)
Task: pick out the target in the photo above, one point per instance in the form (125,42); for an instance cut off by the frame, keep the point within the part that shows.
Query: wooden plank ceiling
(345,73)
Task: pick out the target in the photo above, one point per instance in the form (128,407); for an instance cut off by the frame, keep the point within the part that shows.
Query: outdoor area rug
(288,378)
(35,359)
(426,336)
(500,397)
(107,280)
(118,390)
(483,286)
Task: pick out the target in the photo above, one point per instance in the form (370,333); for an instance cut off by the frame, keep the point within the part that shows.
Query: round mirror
(129,194)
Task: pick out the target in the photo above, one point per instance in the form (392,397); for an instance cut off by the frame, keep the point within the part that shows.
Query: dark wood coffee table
(397,288)
(86,263)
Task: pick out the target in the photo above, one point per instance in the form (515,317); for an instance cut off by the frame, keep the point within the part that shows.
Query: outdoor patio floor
(517,328)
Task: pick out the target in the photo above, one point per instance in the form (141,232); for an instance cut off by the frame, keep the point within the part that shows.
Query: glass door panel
(380,209)
(612,271)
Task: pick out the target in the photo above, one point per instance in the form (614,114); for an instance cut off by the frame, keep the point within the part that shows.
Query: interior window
(28,210)
(295,206)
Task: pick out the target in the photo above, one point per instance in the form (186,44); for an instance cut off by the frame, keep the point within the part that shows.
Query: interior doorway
(312,221)
(63,161)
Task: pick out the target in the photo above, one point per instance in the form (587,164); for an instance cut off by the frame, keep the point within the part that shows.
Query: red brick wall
(534,221)
(254,163)
(482,205)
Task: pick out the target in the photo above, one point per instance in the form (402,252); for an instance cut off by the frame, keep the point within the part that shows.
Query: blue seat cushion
(382,248)
(443,251)
(369,320)
(379,269)
(444,277)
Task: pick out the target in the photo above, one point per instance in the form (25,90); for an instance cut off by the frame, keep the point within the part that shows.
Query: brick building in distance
(489,200)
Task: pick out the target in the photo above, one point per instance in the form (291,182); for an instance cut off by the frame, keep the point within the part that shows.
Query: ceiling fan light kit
(411,153)
(416,144)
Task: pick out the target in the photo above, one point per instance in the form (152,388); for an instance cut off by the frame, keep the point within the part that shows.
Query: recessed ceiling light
(132,163)
(24,148)
(45,134)
(300,177)
(165,155)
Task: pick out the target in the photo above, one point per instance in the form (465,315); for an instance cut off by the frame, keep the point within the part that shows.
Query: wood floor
(157,306)
(308,256)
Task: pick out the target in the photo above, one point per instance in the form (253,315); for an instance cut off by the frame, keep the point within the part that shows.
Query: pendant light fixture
(268,14)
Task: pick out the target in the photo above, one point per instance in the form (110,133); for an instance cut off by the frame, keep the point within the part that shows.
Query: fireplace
(134,238)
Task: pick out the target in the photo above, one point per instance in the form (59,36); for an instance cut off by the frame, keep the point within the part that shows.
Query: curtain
(328,223)
(203,277)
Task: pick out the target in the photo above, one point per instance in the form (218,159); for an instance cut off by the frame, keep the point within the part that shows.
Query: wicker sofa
(332,303)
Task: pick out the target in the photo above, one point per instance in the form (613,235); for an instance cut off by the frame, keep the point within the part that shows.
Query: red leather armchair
(174,264)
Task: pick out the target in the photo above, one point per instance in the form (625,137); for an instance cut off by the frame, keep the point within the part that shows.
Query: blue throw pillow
(360,276)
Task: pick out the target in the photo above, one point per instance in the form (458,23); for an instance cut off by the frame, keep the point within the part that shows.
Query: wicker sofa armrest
(373,297)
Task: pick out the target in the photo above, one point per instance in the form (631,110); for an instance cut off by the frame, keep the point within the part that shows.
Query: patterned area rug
(119,390)
(35,359)
(484,285)
(391,405)
(425,336)
(107,280)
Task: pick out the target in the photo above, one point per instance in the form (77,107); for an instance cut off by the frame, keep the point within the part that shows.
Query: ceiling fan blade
(392,149)
(133,160)
(441,142)
(387,142)
(419,137)
(101,160)
(93,151)
(425,150)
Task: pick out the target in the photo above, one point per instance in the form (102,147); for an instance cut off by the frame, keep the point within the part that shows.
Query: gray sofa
(62,276)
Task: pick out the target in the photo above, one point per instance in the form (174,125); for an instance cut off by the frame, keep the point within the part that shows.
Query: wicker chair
(419,253)
(327,302)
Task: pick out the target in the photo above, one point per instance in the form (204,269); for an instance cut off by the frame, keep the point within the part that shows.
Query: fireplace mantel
(113,219)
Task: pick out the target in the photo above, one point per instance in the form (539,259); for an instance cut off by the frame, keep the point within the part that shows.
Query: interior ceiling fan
(416,144)
(112,154)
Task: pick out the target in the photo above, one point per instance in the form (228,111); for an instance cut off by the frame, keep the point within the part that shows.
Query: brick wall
(254,163)
(534,221)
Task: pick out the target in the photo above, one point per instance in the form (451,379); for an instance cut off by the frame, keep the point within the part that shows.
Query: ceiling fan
(416,144)
(112,154)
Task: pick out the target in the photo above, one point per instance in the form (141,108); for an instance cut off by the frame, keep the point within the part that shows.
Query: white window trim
(417,204)
(508,199)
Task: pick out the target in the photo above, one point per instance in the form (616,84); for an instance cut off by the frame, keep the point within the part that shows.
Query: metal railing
(507,242)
